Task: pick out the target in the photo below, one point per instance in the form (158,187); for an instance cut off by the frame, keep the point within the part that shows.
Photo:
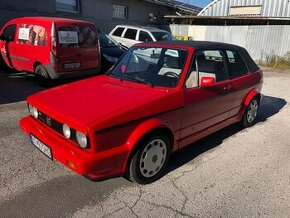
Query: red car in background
(160,97)
(51,47)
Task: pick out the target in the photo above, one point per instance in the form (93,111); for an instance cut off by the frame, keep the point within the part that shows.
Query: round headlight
(81,139)
(66,131)
(33,111)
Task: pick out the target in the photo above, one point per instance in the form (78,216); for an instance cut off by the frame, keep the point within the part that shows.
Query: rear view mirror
(207,82)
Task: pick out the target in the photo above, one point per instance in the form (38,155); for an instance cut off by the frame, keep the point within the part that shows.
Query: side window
(9,32)
(210,63)
(118,31)
(237,66)
(32,35)
(144,37)
(130,34)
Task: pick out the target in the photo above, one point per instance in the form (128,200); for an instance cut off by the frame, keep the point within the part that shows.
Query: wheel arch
(145,130)
(35,64)
(253,93)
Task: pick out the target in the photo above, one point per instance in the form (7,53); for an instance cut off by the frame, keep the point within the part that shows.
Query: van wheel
(250,115)
(42,76)
(149,161)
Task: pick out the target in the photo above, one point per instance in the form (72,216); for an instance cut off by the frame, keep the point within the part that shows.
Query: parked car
(127,36)
(145,108)
(110,51)
(51,47)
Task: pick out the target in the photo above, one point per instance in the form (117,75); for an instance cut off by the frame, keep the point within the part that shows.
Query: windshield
(162,36)
(107,41)
(152,66)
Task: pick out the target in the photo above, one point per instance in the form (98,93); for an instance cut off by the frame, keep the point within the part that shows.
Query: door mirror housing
(206,82)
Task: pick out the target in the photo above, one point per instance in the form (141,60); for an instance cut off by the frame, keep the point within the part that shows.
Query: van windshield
(77,36)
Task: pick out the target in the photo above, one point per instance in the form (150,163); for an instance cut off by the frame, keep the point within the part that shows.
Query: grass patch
(277,62)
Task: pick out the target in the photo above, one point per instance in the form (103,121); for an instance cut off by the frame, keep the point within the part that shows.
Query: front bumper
(92,165)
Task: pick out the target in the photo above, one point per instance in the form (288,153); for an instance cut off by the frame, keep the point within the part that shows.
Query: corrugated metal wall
(270,8)
(260,41)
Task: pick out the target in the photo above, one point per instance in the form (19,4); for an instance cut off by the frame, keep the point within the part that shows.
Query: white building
(261,26)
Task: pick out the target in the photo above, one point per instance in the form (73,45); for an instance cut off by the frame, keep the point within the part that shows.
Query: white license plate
(42,147)
(72,65)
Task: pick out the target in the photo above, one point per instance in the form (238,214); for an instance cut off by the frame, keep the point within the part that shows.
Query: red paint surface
(117,114)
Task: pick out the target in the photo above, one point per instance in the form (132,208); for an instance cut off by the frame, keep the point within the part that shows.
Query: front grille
(52,123)
(57,126)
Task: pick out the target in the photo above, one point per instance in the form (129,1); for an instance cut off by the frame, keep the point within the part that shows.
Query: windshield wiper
(137,79)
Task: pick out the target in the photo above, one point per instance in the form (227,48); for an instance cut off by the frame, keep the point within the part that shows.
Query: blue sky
(199,3)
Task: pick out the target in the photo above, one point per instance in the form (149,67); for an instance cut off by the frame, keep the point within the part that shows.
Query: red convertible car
(160,97)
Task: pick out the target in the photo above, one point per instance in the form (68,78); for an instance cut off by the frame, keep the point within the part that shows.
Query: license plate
(72,65)
(41,146)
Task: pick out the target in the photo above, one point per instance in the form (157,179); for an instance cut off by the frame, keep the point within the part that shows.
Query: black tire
(246,120)
(42,76)
(134,173)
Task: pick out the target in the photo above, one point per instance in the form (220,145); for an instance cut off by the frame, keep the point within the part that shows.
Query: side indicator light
(72,165)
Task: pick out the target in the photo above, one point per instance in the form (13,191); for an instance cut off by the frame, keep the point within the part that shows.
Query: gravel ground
(232,173)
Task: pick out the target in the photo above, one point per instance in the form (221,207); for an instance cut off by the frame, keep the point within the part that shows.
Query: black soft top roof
(206,45)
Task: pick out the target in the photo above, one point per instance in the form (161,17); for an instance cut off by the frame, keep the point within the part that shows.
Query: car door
(117,35)
(205,107)
(242,80)
(144,37)
(31,45)
(130,37)
(82,51)
(8,49)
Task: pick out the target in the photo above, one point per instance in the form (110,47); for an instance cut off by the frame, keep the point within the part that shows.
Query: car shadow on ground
(16,86)
(268,108)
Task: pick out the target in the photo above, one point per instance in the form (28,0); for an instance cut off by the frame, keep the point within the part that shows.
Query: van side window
(32,35)
(210,63)
(9,32)
(130,34)
(118,31)
(144,37)
(237,66)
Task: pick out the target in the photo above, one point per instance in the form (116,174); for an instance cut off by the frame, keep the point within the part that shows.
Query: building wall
(98,11)
(261,41)
(270,8)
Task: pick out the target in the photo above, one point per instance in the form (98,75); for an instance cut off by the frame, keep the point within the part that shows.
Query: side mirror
(206,82)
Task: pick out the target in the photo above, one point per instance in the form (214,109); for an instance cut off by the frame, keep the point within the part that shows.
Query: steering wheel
(171,74)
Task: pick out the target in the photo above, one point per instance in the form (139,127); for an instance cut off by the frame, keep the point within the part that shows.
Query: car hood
(102,102)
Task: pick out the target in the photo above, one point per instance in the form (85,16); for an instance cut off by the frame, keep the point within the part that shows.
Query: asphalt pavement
(232,173)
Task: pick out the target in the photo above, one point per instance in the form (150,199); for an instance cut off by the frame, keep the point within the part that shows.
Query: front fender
(143,129)
(146,127)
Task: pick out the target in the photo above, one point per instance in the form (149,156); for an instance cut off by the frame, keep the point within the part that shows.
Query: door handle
(227,87)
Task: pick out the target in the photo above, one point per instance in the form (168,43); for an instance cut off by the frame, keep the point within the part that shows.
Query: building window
(120,11)
(68,5)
